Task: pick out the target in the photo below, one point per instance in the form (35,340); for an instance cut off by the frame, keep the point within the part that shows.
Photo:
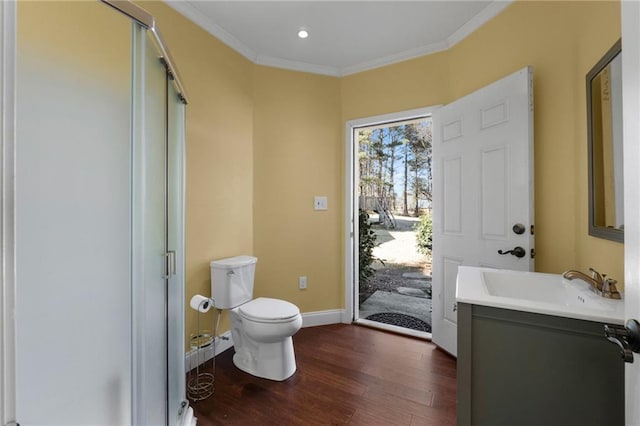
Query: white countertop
(535,292)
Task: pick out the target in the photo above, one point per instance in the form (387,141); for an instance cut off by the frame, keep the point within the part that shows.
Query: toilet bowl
(261,328)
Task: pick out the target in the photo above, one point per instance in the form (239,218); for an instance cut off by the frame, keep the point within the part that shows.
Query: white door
(482,190)
(631,136)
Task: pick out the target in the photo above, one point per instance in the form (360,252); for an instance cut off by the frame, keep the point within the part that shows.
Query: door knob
(627,338)
(517,252)
(518,228)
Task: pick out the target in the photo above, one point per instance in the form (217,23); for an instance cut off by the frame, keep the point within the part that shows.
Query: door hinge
(531,94)
(532,229)
(171,264)
(533,253)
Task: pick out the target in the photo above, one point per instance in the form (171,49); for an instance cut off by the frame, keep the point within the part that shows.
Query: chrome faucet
(599,283)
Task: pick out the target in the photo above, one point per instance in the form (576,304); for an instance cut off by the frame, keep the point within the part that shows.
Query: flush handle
(517,252)
(627,338)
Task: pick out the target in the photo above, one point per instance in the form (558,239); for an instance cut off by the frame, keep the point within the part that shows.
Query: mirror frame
(612,234)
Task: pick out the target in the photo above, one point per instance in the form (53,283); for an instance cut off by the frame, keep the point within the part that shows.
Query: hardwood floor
(347,374)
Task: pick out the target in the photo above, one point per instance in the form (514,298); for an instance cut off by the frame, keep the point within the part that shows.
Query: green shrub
(424,230)
(367,240)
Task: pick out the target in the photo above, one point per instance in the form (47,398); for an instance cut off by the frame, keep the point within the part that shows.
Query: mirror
(604,121)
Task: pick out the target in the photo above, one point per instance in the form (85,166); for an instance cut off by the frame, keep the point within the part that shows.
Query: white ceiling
(345,37)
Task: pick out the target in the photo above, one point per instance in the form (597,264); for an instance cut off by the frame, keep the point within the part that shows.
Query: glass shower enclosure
(99,184)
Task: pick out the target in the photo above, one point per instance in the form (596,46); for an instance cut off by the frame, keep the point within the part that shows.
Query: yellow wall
(407,85)
(262,142)
(219,135)
(298,154)
(562,41)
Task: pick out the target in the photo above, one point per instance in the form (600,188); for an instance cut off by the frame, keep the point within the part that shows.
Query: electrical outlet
(320,203)
(302,283)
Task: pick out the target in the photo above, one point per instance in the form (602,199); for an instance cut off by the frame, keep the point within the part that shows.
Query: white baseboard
(224,342)
(312,319)
(347,316)
(192,358)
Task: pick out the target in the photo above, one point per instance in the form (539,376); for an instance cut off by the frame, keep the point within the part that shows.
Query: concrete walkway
(384,301)
(414,300)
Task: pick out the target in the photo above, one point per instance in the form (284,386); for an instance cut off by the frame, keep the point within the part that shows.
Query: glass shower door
(149,261)
(73,215)
(175,239)
(99,219)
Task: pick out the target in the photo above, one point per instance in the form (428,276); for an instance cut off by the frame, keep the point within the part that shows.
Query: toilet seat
(264,309)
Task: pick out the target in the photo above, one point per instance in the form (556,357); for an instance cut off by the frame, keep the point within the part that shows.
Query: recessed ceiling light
(303,34)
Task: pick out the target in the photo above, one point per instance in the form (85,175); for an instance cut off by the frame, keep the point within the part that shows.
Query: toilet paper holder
(200,384)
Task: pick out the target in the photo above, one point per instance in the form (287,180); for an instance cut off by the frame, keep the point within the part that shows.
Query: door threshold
(423,335)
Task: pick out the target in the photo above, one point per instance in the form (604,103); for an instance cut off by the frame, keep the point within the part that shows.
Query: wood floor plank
(347,374)
(394,401)
(366,418)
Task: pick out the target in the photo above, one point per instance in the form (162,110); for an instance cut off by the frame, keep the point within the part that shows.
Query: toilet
(261,328)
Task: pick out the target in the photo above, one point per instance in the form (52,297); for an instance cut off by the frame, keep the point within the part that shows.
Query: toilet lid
(266,309)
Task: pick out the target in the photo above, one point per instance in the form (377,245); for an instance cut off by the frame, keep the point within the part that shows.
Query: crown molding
(192,13)
(467,29)
(485,15)
(393,59)
(270,61)
(195,15)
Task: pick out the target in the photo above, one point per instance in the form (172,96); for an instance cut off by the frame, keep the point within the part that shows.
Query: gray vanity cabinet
(520,368)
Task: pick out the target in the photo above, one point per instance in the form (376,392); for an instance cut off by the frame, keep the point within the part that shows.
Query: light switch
(320,203)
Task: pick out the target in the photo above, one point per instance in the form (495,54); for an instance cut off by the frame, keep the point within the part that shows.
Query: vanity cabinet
(522,368)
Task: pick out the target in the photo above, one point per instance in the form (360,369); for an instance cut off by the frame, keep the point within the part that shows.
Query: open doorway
(391,202)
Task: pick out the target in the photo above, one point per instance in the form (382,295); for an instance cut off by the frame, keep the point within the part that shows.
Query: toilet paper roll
(200,303)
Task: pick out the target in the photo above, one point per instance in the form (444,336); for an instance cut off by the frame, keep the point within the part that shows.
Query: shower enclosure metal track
(147,20)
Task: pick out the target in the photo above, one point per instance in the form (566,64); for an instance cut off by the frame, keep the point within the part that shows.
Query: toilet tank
(232,281)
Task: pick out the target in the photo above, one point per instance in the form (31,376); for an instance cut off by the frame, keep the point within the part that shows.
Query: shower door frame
(7,217)
(171,188)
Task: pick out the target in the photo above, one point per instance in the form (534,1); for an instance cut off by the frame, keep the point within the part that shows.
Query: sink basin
(546,288)
(549,294)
